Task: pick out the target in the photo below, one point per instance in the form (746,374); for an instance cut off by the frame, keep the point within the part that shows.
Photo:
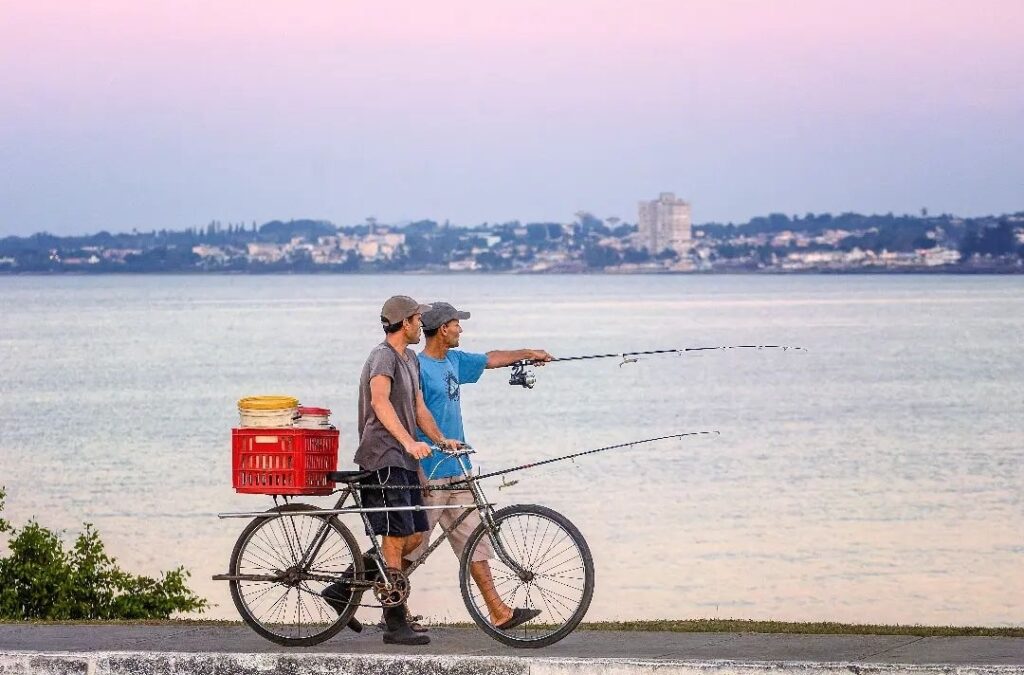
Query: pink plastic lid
(309,410)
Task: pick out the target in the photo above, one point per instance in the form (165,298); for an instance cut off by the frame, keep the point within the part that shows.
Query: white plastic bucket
(313,418)
(285,417)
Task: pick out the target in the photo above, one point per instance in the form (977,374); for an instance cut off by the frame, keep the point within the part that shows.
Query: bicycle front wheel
(555,579)
(284,598)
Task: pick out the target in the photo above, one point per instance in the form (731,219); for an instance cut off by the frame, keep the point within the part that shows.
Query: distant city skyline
(172,113)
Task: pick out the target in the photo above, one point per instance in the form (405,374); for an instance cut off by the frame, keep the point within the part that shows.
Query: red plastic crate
(283,461)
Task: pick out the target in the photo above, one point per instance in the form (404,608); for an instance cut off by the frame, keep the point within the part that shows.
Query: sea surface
(878,477)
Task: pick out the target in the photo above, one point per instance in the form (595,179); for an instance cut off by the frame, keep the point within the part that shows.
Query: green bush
(43,580)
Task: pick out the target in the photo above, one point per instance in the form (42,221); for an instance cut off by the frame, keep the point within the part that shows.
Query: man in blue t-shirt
(443,371)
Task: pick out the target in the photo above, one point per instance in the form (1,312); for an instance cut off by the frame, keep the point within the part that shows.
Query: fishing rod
(531,465)
(466,449)
(522,377)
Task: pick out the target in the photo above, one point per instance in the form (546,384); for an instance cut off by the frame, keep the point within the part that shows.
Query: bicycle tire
(350,558)
(558,619)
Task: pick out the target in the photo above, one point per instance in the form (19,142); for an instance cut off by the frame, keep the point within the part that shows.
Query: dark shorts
(394,523)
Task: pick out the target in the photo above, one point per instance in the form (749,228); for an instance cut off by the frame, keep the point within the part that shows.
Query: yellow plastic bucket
(267,403)
(267,411)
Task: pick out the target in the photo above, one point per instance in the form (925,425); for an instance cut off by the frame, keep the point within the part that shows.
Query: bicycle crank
(394,591)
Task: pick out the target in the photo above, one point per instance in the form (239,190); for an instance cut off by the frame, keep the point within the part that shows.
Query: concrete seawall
(178,663)
(190,649)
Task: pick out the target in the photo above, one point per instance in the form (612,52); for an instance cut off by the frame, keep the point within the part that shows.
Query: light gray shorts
(446,517)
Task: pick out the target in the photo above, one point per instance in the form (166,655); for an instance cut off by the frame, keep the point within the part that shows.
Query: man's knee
(412,542)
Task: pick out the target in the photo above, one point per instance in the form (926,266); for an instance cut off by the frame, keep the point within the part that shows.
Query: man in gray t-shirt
(391,408)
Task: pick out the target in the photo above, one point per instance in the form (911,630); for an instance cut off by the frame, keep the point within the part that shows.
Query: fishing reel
(521,377)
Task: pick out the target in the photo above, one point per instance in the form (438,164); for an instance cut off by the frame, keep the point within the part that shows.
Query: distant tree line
(985,235)
(1000,240)
(429,244)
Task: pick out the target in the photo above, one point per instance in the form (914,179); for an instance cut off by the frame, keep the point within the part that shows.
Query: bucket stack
(281,448)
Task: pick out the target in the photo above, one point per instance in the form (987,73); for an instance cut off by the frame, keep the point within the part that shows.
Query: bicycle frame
(486,510)
(480,504)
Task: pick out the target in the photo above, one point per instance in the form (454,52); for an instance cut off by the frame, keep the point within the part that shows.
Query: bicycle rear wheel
(281,603)
(558,577)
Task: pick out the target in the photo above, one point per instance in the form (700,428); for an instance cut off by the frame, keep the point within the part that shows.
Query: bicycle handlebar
(464,449)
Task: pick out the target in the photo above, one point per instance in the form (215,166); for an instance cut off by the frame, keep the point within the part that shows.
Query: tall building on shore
(664,223)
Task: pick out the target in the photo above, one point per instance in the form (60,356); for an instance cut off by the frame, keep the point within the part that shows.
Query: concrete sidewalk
(204,650)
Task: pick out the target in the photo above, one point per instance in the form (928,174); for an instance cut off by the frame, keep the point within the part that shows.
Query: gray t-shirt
(377,447)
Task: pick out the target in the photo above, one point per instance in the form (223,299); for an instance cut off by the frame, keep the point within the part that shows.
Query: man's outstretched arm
(500,359)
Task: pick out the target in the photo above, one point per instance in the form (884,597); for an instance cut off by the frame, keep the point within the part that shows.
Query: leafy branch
(42,579)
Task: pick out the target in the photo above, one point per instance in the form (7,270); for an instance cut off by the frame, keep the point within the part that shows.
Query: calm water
(877,478)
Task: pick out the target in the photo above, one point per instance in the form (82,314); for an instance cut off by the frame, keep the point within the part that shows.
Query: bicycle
(297,575)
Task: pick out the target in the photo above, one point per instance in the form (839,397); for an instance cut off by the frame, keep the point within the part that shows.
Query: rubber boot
(398,631)
(338,596)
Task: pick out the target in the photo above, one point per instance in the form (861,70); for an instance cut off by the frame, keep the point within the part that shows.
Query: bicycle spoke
(535,553)
(556,565)
(317,600)
(278,606)
(266,562)
(555,596)
(513,529)
(273,529)
(555,541)
(567,586)
(271,549)
(548,607)
(281,531)
(260,598)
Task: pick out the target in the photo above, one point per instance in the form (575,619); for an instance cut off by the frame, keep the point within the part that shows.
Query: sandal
(520,615)
(414,622)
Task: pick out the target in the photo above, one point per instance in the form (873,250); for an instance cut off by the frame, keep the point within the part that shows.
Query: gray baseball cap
(440,314)
(398,308)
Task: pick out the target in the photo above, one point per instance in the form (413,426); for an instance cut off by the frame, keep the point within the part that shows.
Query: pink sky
(170,114)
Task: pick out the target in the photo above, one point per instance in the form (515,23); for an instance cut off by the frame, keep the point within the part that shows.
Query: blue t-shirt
(440,380)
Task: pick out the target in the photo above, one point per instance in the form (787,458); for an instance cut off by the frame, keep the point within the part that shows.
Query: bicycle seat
(347,476)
